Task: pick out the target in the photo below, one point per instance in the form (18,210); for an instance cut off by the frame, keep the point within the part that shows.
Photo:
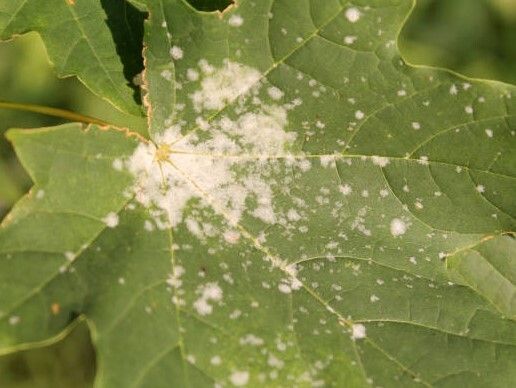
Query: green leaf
(97,41)
(311,210)
(490,269)
(10,190)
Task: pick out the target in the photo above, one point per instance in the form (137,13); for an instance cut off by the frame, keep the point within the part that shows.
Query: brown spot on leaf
(55,308)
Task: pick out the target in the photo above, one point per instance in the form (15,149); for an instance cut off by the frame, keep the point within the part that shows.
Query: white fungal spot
(358,331)
(210,292)
(232,236)
(398,227)
(236,21)
(480,188)
(423,159)
(148,226)
(489,132)
(176,53)
(192,75)
(381,161)
(251,339)
(14,320)
(345,189)
(468,109)
(293,215)
(111,220)
(284,288)
(118,164)
(275,93)
(275,362)
(182,169)
(353,14)
(167,74)
(40,194)
(416,125)
(224,86)
(359,115)
(174,279)
(239,378)
(350,39)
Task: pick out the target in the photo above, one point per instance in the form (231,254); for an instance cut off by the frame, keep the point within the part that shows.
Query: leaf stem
(56,112)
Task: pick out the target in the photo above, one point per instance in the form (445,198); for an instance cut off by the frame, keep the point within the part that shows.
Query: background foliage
(475,38)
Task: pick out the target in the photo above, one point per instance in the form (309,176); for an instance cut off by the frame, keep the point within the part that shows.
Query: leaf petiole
(56,112)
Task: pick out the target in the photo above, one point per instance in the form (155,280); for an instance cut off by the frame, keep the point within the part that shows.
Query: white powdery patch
(381,161)
(398,227)
(358,331)
(213,166)
(224,86)
(111,220)
(14,320)
(176,53)
(291,283)
(231,236)
(236,21)
(174,279)
(167,74)
(345,189)
(251,339)
(209,293)
(353,14)
(275,93)
(350,39)
(239,378)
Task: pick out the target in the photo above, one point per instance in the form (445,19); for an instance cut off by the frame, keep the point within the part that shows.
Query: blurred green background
(473,37)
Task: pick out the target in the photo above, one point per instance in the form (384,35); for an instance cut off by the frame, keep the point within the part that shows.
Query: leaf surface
(97,41)
(310,211)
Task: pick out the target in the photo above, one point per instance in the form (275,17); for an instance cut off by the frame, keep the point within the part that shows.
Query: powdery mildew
(234,165)
(178,169)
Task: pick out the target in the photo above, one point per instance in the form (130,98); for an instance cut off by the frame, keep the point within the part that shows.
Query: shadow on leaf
(67,363)
(210,5)
(126,25)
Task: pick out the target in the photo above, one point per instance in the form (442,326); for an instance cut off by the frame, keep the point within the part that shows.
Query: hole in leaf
(210,5)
